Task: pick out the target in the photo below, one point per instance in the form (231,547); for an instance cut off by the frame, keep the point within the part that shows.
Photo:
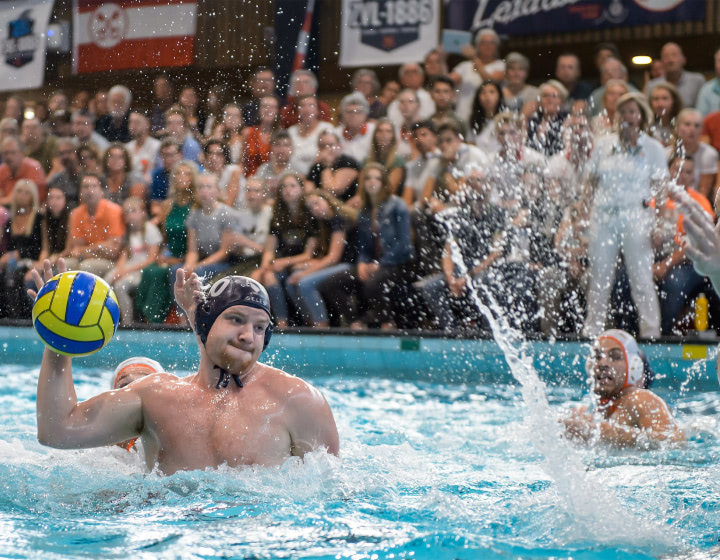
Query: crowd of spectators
(405,206)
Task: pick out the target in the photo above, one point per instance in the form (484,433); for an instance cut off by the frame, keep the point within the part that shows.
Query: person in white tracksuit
(627,168)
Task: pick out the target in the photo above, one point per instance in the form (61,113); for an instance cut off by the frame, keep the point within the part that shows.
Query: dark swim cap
(227,292)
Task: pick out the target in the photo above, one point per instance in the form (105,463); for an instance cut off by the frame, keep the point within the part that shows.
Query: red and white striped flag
(126,34)
(304,37)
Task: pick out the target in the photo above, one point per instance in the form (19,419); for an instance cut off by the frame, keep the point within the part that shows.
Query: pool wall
(413,357)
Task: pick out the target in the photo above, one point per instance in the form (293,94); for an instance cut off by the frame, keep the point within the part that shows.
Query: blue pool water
(432,466)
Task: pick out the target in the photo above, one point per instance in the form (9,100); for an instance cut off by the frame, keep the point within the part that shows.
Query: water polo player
(234,410)
(628,414)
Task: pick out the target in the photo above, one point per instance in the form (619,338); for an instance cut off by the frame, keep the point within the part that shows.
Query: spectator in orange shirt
(96,229)
(678,282)
(16,166)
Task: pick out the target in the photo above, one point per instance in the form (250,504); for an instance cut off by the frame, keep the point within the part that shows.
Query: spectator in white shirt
(412,77)
(143,148)
(355,131)
(485,65)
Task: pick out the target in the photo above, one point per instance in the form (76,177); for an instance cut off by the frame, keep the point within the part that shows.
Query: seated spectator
(476,231)
(425,164)
(708,100)
(545,125)
(261,85)
(678,282)
(230,131)
(488,103)
(143,148)
(517,93)
(89,159)
(141,247)
(38,145)
(8,127)
(96,229)
(170,156)
(711,130)
(291,243)
(666,105)
(333,255)
(14,109)
(412,78)
(210,226)
(366,82)
(177,128)
(384,150)
(24,244)
(688,84)
(114,125)
(67,180)
(571,246)
(388,94)
(55,225)
(513,160)
(688,128)
(122,182)
(15,165)
(163,98)
(568,73)
(303,83)
(610,69)
(442,91)
(231,179)
(253,227)
(59,123)
(83,130)
(154,293)
(458,158)
(256,139)
(333,171)
(604,122)
(354,129)
(485,64)
(189,102)
(409,113)
(305,134)
(281,151)
(435,64)
(385,258)
(58,101)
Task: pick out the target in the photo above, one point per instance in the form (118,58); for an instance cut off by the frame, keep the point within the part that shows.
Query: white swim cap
(138,361)
(635,367)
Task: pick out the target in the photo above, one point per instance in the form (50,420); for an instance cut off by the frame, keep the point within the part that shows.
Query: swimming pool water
(428,469)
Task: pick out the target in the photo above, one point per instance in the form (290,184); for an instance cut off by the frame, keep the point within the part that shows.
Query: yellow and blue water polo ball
(76,313)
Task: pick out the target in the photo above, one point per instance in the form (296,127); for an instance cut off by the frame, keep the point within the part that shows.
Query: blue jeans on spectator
(278,296)
(307,296)
(680,285)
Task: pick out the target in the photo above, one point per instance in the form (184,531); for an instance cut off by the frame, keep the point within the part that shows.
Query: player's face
(609,368)
(236,339)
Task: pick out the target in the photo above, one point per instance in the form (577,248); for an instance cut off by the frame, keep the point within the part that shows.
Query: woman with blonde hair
(24,235)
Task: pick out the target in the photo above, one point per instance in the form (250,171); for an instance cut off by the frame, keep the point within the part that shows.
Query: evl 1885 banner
(527,17)
(382,32)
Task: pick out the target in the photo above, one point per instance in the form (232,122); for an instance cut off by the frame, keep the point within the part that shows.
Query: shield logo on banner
(389,24)
(21,42)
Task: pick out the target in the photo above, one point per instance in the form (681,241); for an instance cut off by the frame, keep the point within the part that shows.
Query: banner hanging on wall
(126,34)
(527,17)
(382,32)
(23,37)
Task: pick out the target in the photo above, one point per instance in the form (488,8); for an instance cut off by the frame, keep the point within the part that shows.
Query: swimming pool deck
(413,356)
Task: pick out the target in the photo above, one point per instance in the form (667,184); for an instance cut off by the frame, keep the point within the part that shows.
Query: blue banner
(528,17)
